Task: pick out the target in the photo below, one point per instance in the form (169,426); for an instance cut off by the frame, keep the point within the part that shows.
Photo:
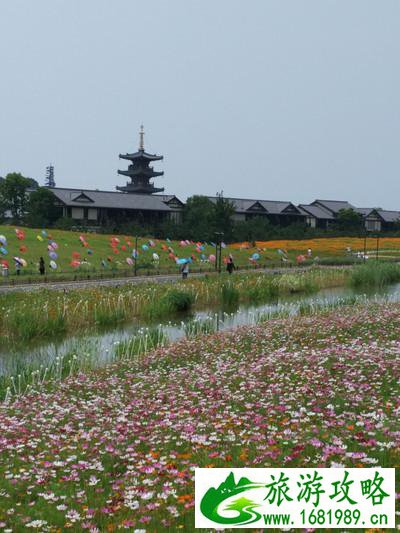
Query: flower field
(336,246)
(115,449)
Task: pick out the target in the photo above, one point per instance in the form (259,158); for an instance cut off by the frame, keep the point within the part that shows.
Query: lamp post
(365,244)
(136,255)
(377,247)
(218,250)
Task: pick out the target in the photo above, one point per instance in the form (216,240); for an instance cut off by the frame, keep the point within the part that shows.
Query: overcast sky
(285,100)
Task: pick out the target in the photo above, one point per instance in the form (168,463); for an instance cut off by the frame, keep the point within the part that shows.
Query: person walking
(17,268)
(42,268)
(185,270)
(230,265)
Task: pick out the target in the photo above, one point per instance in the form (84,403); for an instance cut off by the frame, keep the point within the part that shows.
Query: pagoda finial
(141,137)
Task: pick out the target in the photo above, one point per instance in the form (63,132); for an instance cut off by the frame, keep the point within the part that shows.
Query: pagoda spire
(141,137)
(139,171)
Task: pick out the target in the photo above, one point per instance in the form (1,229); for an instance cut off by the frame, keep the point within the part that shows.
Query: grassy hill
(95,253)
(78,254)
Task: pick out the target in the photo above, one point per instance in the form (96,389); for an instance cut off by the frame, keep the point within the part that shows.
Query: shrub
(178,301)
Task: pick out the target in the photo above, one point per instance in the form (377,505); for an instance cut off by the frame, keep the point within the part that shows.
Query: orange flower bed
(334,245)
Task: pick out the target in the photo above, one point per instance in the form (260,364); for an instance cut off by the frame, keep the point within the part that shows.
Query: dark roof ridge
(250,199)
(76,189)
(322,200)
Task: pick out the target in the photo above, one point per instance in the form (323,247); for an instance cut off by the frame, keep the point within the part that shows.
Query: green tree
(42,209)
(14,194)
(224,211)
(199,218)
(349,220)
(255,229)
(169,228)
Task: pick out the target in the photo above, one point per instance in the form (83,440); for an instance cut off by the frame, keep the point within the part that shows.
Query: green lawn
(96,254)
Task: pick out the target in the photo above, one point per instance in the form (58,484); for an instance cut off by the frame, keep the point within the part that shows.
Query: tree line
(22,201)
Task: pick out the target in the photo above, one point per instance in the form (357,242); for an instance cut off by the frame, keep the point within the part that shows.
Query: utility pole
(218,250)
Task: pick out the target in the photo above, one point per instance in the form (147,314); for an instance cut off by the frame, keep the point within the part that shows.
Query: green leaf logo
(213,499)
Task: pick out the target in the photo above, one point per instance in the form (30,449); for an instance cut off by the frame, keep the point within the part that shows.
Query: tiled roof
(112,200)
(365,211)
(334,206)
(244,205)
(316,211)
(389,216)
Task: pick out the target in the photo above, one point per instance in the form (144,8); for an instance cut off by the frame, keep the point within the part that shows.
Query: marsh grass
(110,317)
(295,283)
(80,358)
(197,327)
(325,306)
(45,314)
(375,275)
(35,377)
(311,307)
(230,294)
(146,340)
(26,324)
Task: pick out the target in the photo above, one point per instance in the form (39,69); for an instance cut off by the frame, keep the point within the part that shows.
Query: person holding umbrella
(230,265)
(185,270)
(17,266)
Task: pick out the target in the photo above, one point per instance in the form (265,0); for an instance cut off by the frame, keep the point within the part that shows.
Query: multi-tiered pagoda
(139,170)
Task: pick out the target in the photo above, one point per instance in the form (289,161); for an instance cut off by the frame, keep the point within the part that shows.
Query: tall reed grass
(48,314)
(83,357)
(374,275)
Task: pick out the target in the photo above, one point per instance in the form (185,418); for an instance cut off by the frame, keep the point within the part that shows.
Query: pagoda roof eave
(141,155)
(139,190)
(138,173)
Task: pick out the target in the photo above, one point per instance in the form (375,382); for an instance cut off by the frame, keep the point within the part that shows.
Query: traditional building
(95,208)
(277,212)
(323,213)
(316,217)
(319,214)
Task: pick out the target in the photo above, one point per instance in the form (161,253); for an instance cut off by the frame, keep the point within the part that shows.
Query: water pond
(102,346)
